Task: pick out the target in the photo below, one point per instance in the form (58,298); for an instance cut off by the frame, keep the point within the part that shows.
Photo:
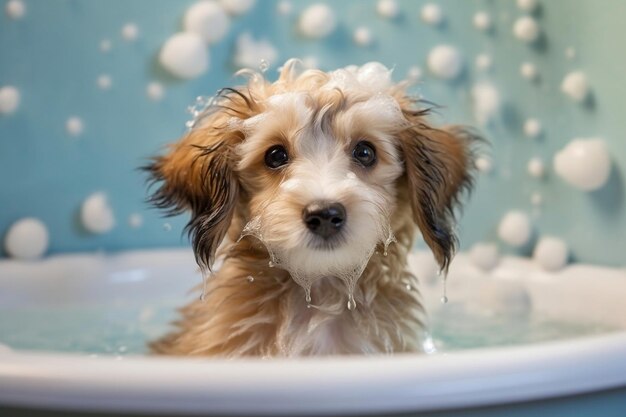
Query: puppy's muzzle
(324,219)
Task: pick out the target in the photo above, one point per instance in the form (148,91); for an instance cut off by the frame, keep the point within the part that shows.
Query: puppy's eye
(365,153)
(276,156)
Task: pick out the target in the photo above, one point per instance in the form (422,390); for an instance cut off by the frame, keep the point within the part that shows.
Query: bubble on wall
(432,14)
(484,164)
(526,29)
(130,32)
(388,9)
(575,86)
(317,21)
(251,53)
(528,71)
(536,168)
(486,102)
(532,128)
(27,239)
(528,6)
(105,45)
(104,82)
(96,215)
(515,228)
(207,19)
(74,126)
(155,91)
(445,62)
(185,55)
(584,163)
(10,98)
(362,36)
(551,253)
(15,9)
(284,7)
(482,21)
(237,7)
(485,255)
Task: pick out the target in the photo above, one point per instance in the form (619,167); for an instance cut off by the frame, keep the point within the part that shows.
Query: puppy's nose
(323,218)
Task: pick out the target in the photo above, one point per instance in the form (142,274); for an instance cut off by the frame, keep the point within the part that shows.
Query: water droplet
(444,299)
(271,264)
(264,65)
(351,302)
(385,253)
(408,287)
(307,295)
(309,306)
(250,278)
(167,227)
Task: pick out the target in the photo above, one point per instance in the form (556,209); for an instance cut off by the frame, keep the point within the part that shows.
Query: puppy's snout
(323,218)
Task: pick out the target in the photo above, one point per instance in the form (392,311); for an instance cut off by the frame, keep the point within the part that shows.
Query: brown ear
(439,165)
(196,175)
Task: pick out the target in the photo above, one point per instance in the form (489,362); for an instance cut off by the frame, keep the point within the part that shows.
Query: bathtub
(583,373)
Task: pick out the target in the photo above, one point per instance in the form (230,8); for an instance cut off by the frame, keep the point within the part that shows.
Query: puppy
(310,190)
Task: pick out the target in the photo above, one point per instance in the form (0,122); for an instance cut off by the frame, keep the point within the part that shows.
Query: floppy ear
(439,165)
(196,175)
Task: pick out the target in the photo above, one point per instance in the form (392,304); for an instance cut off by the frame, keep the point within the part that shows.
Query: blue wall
(52,55)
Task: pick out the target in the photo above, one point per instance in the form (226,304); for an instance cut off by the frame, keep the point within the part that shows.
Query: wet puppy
(313,188)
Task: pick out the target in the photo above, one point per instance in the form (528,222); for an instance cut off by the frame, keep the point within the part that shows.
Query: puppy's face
(315,161)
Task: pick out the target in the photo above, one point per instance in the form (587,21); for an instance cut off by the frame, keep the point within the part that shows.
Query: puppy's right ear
(196,175)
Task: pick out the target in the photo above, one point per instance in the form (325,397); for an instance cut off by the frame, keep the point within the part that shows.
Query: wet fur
(222,183)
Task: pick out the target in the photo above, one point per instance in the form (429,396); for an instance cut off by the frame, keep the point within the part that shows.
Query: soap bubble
(484,164)
(74,126)
(485,255)
(445,62)
(486,101)
(432,14)
(15,9)
(155,91)
(527,5)
(532,128)
(96,215)
(27,239)
(208,20)
(237,7)
(536,167)
(317,21)
(251,53)
(482,21)
(515,228)
(575,86)
(130,32)
(484,62)
(284,7)
(584,163)
(105,45)
(135,220)
(387,8)
(185,55)
(362,36)
(528,71)
(526,29)
(104,82)
(551,253)
(9,99)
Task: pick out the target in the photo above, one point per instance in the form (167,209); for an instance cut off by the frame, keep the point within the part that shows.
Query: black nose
(324,219)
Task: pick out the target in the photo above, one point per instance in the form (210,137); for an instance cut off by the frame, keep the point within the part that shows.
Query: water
(124,329)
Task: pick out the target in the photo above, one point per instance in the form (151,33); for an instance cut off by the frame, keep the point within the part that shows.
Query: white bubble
(362,36)
(105,45)
(445,62)
(27,239)
(551,253)
(432,14)
(388,8)
(284,7)
(527,5)
(10,98)
(167,227)
(570,52)
(486,101)
(482,21)
(237,7)
(250,53)
(584,163)
(485,255)
(96,215)
(526,29)
(185,55)
(104,82)
(484,164)
(15,9)
(528,71)
(536,199)
(532,128)
(155,91)
(515,228)
(536,167)
(207,19)
(74,126)
(317,21)
(575,86)
(135,220)
(484,62)
(414,73)
(130,32)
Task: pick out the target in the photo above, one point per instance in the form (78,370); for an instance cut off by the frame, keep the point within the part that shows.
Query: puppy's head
(313,164)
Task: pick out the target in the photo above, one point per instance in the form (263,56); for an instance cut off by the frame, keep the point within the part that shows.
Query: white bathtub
(463,379)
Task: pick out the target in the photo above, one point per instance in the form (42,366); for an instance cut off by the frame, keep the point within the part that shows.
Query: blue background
(52,55)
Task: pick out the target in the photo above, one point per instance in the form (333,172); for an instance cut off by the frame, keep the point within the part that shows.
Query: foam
(584,163)
(96,215)
(207,19)
(251,53)
(317,21)
(515,228)
(445,62)
(551,253)
(27,239)
(185,55)
(10,98)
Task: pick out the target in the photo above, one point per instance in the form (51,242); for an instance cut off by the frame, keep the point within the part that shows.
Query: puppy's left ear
(196,175)
(439,166)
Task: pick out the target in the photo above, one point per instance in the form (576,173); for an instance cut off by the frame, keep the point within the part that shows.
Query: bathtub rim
(402,383)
